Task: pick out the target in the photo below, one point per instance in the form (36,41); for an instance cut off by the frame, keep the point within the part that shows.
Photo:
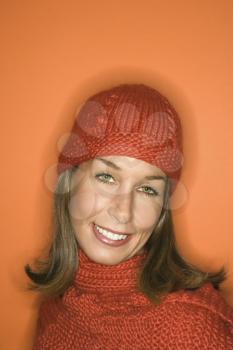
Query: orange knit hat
(132,120)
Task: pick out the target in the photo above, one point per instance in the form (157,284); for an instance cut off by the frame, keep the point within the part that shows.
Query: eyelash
(97,176)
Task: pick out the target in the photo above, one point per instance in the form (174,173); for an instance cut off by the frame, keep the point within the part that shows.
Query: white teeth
(113,236)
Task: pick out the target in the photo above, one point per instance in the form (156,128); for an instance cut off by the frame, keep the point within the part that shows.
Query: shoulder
(198,318)
(49,310)
(206,299)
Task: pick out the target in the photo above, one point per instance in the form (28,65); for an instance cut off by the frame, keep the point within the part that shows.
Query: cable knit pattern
(104,310)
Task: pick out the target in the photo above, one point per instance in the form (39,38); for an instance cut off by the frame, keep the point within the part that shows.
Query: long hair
(163,271)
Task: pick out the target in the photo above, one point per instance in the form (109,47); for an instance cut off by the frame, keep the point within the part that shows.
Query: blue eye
(104,177)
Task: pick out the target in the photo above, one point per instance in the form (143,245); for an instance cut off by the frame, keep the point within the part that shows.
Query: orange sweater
(103,310)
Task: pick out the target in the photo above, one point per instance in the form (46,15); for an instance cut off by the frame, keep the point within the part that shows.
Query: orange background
(54,55)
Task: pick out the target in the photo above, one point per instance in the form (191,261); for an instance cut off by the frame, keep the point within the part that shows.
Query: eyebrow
(116,167)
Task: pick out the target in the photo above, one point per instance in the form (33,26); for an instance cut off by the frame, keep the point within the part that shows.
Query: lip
(113,231)
(107,240)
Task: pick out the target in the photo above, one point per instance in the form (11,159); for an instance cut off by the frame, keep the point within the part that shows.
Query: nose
(121,208)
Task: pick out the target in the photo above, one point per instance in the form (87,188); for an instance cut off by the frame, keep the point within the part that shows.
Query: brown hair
(164,270)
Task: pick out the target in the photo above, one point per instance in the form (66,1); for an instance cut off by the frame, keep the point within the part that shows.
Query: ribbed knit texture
(103,310)
(132,120)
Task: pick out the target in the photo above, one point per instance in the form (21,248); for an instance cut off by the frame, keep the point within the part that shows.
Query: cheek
(85,204)
(147,215)
(82,205)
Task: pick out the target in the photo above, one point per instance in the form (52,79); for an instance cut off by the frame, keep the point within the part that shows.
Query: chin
(104,258)
(107,260)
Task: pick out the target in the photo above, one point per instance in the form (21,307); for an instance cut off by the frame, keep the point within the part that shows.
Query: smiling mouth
(113,231)
(111,234)
(110,237)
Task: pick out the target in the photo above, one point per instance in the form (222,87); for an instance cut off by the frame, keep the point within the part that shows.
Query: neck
(99,277)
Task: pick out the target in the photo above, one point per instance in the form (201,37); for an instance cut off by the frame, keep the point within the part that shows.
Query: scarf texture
(104,310)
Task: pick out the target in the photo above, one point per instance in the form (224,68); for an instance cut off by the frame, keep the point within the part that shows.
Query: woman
(113,278)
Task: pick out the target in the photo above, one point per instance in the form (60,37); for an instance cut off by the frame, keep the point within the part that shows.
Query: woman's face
(115,206)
